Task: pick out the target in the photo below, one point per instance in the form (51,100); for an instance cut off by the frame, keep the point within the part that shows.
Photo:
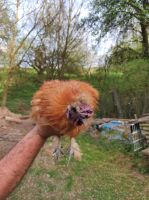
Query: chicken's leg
(74,150)
(56,148)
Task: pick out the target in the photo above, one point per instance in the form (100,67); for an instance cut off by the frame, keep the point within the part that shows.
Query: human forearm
(15,164)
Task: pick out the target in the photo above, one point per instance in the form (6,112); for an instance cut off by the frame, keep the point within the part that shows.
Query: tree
(121,53)
(58,44)
(5,24)
(12,48)
(18,38)
(120,17)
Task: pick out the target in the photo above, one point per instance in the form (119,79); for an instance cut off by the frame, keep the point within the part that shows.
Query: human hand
(45,131)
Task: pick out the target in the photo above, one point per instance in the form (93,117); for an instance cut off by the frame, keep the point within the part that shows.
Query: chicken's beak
(79,122)
(79,115)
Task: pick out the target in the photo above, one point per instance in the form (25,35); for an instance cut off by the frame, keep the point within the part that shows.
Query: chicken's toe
(57,153)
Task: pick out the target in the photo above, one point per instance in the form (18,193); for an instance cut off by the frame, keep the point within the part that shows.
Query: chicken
(67,107)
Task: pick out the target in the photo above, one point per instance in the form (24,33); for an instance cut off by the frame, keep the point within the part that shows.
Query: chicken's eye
(73,109)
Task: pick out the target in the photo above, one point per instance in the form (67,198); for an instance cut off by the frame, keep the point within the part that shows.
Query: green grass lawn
(106,172)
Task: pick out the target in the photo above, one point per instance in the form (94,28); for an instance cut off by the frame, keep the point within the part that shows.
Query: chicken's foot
(74,150)
(57,150)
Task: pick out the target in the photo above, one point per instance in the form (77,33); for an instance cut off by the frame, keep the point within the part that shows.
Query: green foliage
(44,61)
(107,15)
(121,18)
(130,80)
(122,53)
(21,90)
(75,62)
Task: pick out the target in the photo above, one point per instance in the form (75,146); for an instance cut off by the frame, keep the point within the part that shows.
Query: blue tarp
(112,124)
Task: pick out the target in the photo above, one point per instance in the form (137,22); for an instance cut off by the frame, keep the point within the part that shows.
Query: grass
(21,91)
(106,172)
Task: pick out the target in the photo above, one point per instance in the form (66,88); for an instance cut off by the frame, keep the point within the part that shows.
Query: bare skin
(16,163)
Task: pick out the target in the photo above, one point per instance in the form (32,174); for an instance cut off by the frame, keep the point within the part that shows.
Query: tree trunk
(117,103)
(146,101)
(144,32)
(145,44)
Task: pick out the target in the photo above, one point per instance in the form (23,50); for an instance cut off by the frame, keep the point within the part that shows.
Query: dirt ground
(12,132)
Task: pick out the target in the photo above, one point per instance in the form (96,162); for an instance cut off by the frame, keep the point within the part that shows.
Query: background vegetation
(51,41)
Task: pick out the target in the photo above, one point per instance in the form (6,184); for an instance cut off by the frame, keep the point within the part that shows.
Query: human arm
(16,163)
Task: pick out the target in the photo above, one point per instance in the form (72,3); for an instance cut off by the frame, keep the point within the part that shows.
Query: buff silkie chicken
(67,107)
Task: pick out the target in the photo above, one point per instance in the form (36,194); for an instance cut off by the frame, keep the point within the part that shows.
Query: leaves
(117,16)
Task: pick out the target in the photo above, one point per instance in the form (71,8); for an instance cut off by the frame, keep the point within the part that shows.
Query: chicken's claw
(57,150)
(57,153)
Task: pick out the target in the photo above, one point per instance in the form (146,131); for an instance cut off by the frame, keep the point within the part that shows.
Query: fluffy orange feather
(50,103)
